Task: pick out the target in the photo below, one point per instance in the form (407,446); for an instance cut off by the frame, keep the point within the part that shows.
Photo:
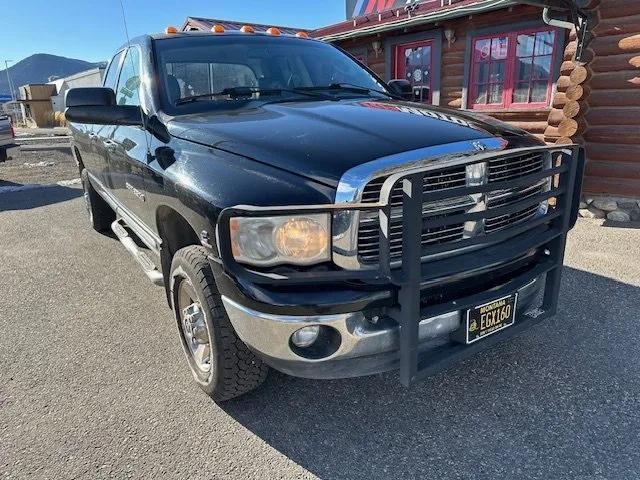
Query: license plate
(491,317)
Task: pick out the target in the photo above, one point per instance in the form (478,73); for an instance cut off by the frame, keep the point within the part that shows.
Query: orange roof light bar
(247,29)
(217,28)
(170,30)
(302,35)
(273,31)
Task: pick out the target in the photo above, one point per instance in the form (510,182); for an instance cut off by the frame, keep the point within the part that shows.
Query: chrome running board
(140,256)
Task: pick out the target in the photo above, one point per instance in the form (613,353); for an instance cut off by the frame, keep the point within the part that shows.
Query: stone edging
(615,209)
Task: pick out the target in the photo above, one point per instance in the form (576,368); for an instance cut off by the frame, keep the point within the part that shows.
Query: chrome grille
(497,170)
(503,169)
(368,234)
(494,224)
(450,178)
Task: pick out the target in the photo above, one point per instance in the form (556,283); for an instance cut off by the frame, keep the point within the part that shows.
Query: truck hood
(323,139)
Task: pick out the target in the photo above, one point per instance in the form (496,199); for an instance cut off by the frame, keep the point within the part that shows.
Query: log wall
(612,113)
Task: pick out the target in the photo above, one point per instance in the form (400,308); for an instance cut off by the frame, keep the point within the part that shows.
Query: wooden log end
(579,75)
(575,92)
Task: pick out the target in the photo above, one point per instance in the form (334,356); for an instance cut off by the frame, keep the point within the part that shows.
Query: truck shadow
(539,402)
(38,196)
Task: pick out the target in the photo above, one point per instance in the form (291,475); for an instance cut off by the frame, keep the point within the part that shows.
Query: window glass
(513,68)
(111,77)
(192,66)
(413,63)
(128,92)
(490,63)
(202,78)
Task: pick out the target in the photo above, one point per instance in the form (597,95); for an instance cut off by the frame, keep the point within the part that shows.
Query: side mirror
(98,106)
(401,88)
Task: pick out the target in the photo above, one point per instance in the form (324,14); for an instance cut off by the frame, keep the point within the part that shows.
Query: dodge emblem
(479,146)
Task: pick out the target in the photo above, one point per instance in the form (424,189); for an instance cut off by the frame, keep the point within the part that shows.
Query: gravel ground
(39,166)
(93,383)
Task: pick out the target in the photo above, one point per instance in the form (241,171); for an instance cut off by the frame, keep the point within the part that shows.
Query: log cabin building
(499,58)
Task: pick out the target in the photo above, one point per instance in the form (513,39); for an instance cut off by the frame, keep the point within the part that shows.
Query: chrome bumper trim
(269,334)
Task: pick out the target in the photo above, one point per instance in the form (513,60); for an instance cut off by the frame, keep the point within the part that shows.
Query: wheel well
(176,233)
(78,159)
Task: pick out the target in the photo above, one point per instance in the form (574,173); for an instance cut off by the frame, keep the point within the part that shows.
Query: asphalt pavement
(93,383)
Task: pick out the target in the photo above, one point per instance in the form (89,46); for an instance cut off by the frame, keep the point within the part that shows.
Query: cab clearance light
(273,31)
(247,29)
(217,28)
(170,30)
(302,35)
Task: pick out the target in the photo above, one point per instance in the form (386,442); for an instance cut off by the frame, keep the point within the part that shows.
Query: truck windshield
(215,70)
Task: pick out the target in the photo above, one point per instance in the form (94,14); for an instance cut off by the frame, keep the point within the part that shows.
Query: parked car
(301,215)
(6,136)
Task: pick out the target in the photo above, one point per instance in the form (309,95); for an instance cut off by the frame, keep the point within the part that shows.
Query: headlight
(266,241)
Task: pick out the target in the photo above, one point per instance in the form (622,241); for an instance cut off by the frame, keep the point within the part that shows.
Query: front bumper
(365,348)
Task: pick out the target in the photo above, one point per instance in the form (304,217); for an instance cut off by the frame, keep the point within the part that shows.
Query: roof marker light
(273,31)
(247,29)
(170,30)
(302,35)
(217,28)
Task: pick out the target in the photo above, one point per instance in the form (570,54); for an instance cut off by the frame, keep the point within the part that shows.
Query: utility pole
(6,66)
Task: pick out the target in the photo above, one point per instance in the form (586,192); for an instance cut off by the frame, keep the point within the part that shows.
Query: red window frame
(510,79)
(399,62)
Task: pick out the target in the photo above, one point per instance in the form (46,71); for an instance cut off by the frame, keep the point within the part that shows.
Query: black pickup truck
(302,215)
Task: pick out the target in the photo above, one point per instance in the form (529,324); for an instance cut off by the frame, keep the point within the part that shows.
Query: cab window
(111,77)
(199,78)
(128,92)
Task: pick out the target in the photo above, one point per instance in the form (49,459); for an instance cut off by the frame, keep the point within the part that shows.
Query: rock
(583,205)
(619,216)
(605,204)
(635,215)
(589,200)
(591,212)
(627,205)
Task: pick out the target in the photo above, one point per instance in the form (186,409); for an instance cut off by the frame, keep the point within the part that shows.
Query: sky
(91,30)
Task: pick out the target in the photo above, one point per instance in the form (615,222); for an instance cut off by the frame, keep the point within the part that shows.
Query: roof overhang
(352,29)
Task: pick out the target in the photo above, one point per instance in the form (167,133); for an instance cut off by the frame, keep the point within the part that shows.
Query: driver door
(126,146)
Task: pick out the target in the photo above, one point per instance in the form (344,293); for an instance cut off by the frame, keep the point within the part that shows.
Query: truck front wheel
(221,364)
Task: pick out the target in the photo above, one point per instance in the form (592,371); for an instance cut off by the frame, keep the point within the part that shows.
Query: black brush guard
(412,274)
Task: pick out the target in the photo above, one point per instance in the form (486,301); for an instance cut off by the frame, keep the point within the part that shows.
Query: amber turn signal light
(302,35)
(247,29)
(217,28)
(273,31)
(170,30)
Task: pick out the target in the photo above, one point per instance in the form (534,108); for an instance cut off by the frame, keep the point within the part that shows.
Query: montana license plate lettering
(491,317)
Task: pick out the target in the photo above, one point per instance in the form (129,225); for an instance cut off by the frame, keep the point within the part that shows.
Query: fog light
(305,336)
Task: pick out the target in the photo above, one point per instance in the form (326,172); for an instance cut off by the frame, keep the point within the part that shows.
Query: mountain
(39,67)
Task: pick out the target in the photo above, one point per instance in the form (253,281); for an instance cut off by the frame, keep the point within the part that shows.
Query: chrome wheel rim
(194,327)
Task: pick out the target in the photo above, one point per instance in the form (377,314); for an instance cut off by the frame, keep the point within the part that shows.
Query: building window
(512,70)
(413,62)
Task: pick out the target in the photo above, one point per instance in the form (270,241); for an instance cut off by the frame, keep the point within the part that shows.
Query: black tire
(233,369)
(4,156)
(101,216)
